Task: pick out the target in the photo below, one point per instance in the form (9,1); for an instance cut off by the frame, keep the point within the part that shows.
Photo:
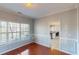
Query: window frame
(20,32)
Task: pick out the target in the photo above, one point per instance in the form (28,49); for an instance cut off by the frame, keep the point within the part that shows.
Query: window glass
(24,35)
(10,31)
(0,39)
(25,27)
(0,28)
(13,27)
(18,36)
(3,26)
(10,37)
(3,38)
(14,36)
(3,32)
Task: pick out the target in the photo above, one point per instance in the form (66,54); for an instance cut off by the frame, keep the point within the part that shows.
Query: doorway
(55,36)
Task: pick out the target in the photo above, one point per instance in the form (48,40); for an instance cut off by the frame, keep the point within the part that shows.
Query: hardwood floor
(34,49)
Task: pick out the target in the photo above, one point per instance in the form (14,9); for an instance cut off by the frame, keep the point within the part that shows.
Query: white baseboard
(65,51)
(50,47)
(43,44)
(14,48)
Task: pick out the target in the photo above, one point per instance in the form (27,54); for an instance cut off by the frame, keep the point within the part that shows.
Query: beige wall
(68,30)
(9,15)
(42,29)
(78,30)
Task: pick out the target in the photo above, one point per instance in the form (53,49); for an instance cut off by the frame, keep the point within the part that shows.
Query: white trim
(65,51)
(50,14)
(72,39)
(77,30)
(42,44)
(14,48)
(54,48)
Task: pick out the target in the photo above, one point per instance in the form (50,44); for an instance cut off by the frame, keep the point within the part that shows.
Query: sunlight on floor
(26,52)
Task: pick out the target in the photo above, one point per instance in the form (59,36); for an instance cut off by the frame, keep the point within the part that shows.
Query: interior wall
(78,31)
(42,29)
(68,30)
(68,41)
(11,16)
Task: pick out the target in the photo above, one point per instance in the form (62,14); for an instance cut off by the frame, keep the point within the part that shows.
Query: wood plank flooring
(34,49)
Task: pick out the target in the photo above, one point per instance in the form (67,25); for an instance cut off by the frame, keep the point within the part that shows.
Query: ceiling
(38,9)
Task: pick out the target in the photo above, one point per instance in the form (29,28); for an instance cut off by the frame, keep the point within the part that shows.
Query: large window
(13,31)
(10,31)
(24,31)
(3,32)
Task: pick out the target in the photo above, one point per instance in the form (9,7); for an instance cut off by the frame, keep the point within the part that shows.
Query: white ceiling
(39,9)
